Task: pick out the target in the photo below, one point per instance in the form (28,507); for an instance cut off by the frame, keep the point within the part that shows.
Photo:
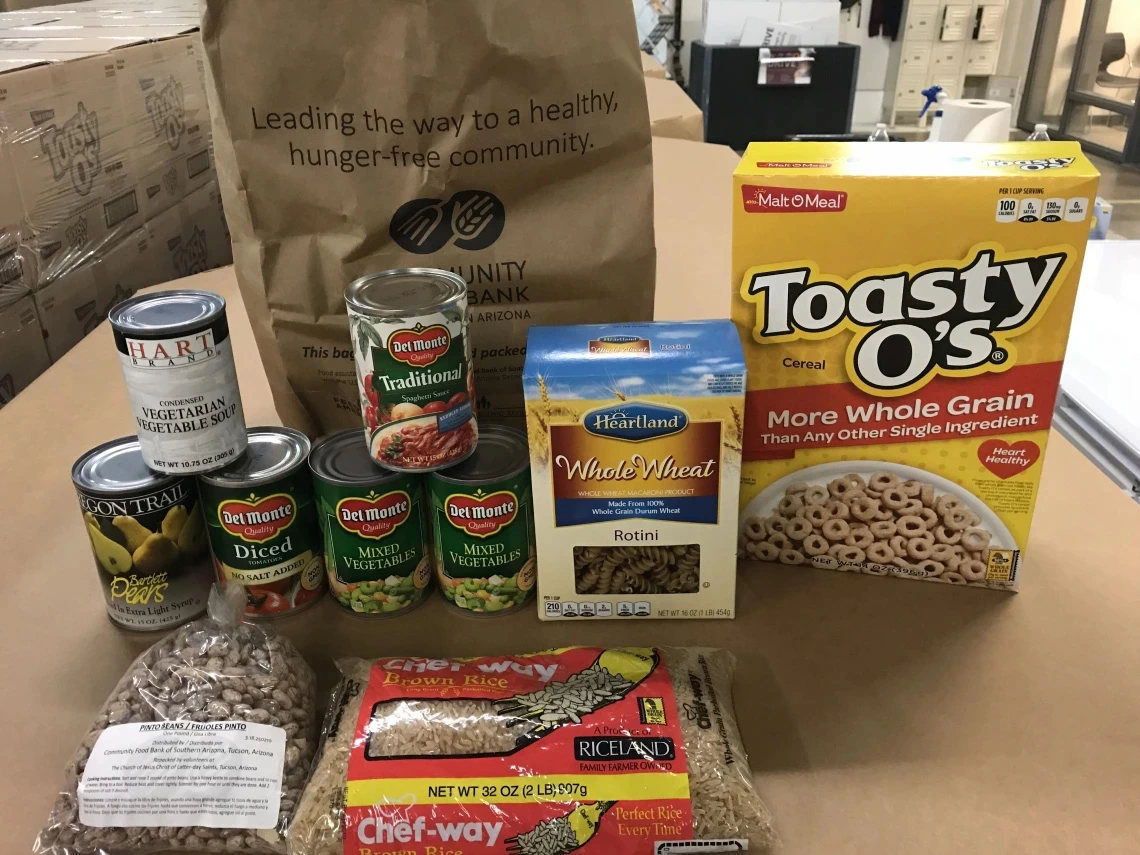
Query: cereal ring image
(836,529)
(776,525)
(942,552)
(790,504)
(751,549)
(879,552)
(975,539)
(973,570)
(883,481)
(885,515)
(918,549)
(860,539)
(927,536)
(912,506)
(953,578)
(816,495)
(815,544)
(957,519)
(858,481)
(973,518)
(874,494)
(767,552)
(883,529)
(897,545)
(864,509)
(930,568)
(798,529)
(894,498)
(926,496)
(911,526)
(791,556)
(911,489)
(851,554)
(816,515)
(780,540)
(841,486)
(946,503)
(755,529)
(929,517)
(797,487)
(945,535)
(838,510)
(826,562)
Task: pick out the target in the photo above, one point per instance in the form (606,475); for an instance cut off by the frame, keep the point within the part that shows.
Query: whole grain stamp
(904,312)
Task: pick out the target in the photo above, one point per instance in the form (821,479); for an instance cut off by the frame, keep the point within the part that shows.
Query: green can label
(375,550)
(267,540)
(484,543)
(416,393)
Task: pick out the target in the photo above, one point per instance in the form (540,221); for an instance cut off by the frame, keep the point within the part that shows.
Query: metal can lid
(167,312)
(502,453)
(117,468)
(271,453)
(343,459)
(408,291)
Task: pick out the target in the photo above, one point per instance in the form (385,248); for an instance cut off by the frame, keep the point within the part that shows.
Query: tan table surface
(881,716)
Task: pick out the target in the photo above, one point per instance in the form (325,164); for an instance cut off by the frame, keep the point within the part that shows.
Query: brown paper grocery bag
(505,140)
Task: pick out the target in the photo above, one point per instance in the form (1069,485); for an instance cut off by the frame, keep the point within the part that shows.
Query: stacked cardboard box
(107,182)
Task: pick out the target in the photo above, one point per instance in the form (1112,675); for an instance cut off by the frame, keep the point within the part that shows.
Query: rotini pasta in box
(635,435)
(904,310)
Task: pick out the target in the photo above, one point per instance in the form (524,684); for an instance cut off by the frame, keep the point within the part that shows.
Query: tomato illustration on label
(374,516)
(257,520)
(420,346)
(480,515)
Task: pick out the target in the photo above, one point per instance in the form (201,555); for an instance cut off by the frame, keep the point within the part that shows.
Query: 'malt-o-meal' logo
(635,421)
(257,520)
(374,516)
(419,347)
(168,352)
(912,323)
(482,515)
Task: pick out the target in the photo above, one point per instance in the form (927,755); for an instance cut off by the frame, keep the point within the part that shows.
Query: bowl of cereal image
(874,517)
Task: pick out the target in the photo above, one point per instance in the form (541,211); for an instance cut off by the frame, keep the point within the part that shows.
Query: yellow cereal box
(904,310)
(635,433)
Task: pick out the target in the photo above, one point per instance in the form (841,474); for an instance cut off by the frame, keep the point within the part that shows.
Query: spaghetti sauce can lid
(502,452)
(343,459)
(271,453)
(405,292)
(117,468)
(168,313)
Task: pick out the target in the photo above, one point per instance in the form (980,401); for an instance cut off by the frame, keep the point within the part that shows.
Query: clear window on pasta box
(635,439)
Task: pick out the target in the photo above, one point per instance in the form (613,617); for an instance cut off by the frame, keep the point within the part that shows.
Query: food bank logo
(1036,165)
(635,422)
(73,150)
(257,520)
(482,515)
(167,110)
(789,200)
(421,346)
(611,344)
(471,219)
(373,516)
(911,324)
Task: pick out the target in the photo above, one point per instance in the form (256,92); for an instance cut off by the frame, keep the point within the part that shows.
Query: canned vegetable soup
(174,349)
(412,353)
(375,533)
(262,522)
(147,535)
(484,526)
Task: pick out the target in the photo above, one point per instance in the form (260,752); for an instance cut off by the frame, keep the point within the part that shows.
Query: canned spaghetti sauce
(412,353)
(373,522)
(262,523)
(147,536)
(174,348)
(483,525)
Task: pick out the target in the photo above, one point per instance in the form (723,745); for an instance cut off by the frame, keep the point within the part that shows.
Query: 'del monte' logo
(479,514)
(620,344)
(635,421)
(374,516)
(257,520)
(911,323)
(419,347)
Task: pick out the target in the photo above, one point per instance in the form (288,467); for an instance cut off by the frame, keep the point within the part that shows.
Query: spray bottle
(934,96)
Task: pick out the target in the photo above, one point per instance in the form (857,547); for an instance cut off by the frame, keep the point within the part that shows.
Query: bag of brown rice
(578,749)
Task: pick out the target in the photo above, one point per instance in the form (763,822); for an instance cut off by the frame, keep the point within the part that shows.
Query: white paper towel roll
(975,120)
